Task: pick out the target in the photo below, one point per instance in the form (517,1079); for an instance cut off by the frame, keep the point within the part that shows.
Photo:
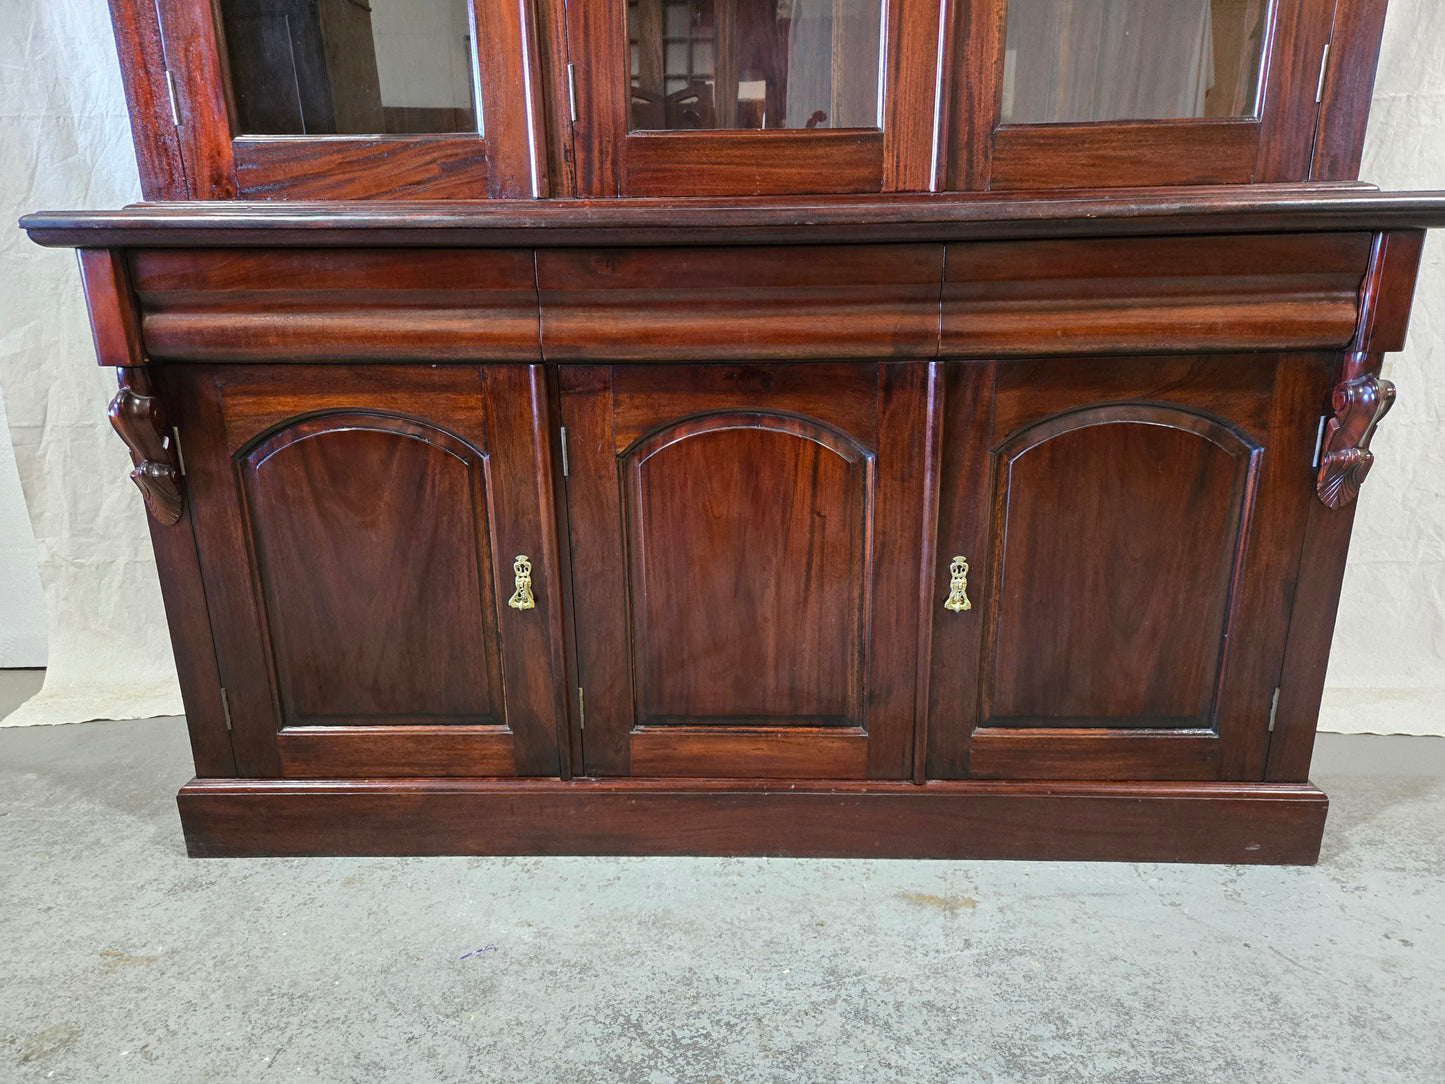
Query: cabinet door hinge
(180,455)
(1320,440)
(1324,67)
(1273,708)
(566,469)
(226,707)
(175,99)
(572,91)
(581,711)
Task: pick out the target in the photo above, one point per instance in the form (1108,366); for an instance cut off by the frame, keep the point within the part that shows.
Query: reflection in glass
(754,63)
(354,67)
(1090,60)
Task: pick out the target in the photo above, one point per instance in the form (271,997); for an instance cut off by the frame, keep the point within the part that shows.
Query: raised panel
(747,544)
(373,562)
(1118,533)
(747,580)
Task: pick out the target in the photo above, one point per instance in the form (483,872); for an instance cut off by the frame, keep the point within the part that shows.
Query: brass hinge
(572,90)
(581,711)
(226,708)
(1273,708)
(175,100)
(565,468)
(1324,66)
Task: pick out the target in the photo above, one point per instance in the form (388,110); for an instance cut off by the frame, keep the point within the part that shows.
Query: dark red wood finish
(760,526)
(1278,143)
(826,515)
(1276,291)
(740,563)
(356,305)
(940,128)
(207,156)
(1348,84)
(1138,822)
(806,221)
(357,531)
(613,162)
(1385,294)
(1103,505)
(659,304)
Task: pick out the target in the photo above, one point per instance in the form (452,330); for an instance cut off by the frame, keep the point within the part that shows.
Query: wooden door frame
(1278,145)
(179,43)
(195,160)
(610,162)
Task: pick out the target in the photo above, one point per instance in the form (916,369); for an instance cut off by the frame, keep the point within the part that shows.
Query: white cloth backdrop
(1387,670)
(66,144)
(22,607)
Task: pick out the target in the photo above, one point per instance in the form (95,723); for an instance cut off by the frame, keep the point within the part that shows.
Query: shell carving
(1345,456)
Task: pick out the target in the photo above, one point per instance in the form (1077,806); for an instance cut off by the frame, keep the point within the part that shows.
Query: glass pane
(350,67)
(754,63)
(1087,60)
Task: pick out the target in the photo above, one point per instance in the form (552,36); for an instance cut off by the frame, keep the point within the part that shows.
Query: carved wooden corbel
(1362,397)
(139,418)
(1345,456)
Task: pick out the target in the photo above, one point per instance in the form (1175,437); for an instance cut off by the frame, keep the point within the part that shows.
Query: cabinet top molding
(793,220)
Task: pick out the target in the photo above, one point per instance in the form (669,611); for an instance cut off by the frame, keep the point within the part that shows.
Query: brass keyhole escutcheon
(958,586)
(522,597)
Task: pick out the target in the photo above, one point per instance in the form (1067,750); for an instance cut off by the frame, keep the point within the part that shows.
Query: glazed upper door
(1118,544)
(334,99)
(1108,93)
(752,97)
(745,557)
(378,555)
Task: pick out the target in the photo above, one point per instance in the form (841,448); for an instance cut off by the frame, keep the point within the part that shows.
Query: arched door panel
(1128,525)
(358,545)
(746,579)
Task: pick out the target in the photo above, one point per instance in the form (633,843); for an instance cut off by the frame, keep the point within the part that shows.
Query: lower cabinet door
(1129,532)
(379,559)
(746,546)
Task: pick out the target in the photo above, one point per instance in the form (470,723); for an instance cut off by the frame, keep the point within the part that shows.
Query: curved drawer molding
(678,304)
(337,305)
(1177,294)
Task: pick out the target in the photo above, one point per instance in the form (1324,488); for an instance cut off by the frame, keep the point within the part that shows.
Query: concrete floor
(121,959)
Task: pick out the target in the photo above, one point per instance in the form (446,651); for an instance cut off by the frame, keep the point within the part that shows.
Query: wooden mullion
(157,140)
(1289,113)
(193,49)
(514,121)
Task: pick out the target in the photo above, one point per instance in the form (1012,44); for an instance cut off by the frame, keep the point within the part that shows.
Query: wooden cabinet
(813,478)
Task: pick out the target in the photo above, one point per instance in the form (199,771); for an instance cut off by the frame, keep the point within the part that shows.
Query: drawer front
(782,303)
(1161,294)
(369,305)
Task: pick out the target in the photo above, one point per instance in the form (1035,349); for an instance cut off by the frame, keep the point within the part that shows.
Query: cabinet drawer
(1168,294)
(337,304)
(764,303)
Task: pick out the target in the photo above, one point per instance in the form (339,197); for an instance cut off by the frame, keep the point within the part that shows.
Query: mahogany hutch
(916,428)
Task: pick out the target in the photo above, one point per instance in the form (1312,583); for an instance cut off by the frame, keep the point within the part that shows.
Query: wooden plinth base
(1269,823)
